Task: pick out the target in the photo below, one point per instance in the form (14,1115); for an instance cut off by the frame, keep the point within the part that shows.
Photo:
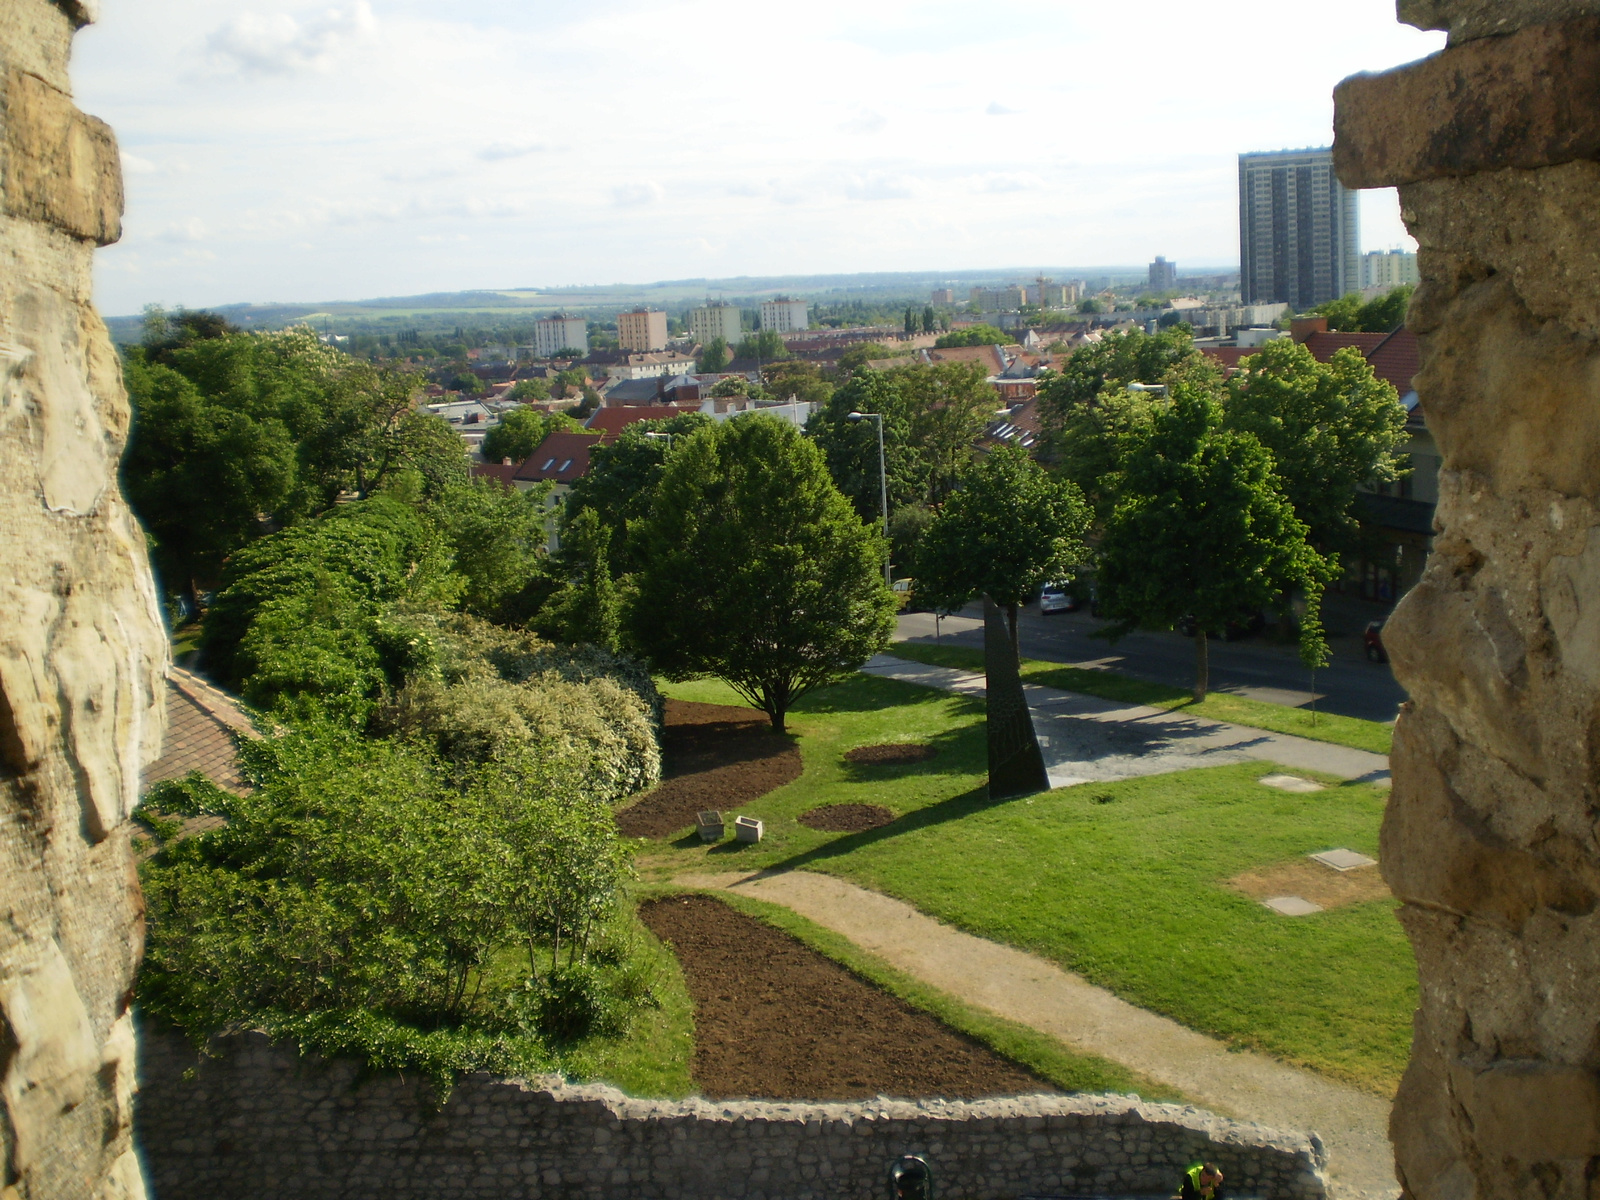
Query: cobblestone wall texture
(1491,840)
(81,643)
(258,1121)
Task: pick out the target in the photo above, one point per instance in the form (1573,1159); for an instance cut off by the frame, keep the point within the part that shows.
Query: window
(548,463)
(564,465)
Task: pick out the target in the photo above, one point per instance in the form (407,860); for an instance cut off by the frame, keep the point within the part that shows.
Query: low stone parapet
(258,1120)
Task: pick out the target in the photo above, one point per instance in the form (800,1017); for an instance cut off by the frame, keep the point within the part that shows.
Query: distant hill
(503,306)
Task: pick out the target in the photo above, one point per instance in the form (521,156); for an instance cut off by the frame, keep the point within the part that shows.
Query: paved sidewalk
(1086,739)
(1032,991)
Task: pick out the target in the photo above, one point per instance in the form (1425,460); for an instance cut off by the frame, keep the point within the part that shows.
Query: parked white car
(1059,597)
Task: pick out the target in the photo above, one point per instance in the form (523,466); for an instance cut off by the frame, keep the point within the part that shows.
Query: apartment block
(560,333)
(712,321)
(1163,276)
(1389,269)
(785,316)
(643,329)
(1299,229)
(943,296)
(1006,299)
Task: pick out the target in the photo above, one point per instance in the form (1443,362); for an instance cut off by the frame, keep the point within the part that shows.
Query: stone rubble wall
(1492,836)
(259,1121)
(82,647)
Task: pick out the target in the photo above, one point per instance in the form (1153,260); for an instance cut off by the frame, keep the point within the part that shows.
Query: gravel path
(1021,987)
(1086,739)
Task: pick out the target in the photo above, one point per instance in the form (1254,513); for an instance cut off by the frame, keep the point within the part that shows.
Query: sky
(283,151)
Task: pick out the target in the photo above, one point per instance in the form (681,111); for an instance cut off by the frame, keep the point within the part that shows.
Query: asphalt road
(1254,666)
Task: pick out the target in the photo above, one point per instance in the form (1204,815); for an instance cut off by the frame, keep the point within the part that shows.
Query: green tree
(930,320)
(861,354)
(1008,529)
(801,380)
(951,405)
(1202,530)
(973,335)
(774,584)
(912,324)
(469,384)
(530,389)
(1351,314)
(620,485)
(497,535)
(1331,427)
(713,357)
(767,346)
(588,607)
(1090,306)
(519,433)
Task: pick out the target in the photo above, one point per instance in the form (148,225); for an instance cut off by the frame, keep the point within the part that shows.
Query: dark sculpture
(1016,767)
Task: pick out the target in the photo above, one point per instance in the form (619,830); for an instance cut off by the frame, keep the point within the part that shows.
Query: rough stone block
(1469,19)
(61,166)
(1527,100)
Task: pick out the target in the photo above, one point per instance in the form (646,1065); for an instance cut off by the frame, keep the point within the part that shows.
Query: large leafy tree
(1330,426)
(498,537)
(1352,314)
(1202,530)
(1005,531)
(620,484)
(973,335)
(519,433)
(755,569)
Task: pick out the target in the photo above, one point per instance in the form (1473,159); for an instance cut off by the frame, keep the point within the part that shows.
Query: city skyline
(291,151)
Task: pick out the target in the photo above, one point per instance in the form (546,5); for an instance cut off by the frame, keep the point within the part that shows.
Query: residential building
(1163,276)
(645,366)
(1389,269)
(611,421)
(643,329)
(785,316)
(1299,229)
(712,321)
(1005,299)
(944,296)
(560,332)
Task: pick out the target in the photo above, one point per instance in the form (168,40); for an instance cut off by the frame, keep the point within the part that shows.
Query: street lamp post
(883,491)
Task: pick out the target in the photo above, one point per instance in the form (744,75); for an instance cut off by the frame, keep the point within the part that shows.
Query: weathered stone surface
(260,1122)
(60,166)
(1470,19)
(1491,840)
(1016,764)
(81,647)
(1531,99)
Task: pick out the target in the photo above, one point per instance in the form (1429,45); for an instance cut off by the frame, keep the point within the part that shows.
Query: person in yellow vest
(1202,1181)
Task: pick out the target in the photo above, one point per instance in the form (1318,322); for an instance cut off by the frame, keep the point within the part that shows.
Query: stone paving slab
(1086,739)
(1035,992)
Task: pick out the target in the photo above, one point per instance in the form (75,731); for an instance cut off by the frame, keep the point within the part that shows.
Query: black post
(1016,766)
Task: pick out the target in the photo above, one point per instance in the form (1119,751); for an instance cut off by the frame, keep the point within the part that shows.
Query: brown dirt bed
(1314,882)
(775,1020)
(716,756)
(846,818)
(890,754)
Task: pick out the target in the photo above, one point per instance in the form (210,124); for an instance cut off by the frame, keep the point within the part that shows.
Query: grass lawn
(1122,882)
(1219,706)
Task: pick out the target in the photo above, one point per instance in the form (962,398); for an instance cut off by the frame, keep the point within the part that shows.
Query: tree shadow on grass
(955,808)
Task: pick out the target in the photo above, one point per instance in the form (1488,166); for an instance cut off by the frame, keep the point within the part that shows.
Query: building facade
(1389,269)
(643,329)
(560,333)
(712,321)
(944,296)
(1163,276)
(1006,299)
(785,316)
(1299,230)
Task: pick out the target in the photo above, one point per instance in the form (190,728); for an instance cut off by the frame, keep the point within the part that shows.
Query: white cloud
(190,229)
(879,186)
(996,109)
(278,43)
(499,151)
(634,195)
(132,164)
(865,121)
(1008,181)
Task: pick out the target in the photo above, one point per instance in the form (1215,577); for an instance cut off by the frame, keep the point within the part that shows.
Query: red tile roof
(612,421)
(504,473)
(560,458)
(1395,357)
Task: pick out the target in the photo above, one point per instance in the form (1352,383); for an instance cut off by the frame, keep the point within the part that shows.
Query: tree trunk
(1202,665)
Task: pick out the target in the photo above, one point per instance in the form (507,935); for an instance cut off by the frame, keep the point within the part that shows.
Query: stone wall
(81,643)
(258,1121)
(1491,839)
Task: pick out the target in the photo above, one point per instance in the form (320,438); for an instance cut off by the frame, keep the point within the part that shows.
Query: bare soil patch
(846,818)
(716,756)
(891,754)
(776,1020)
(1314,882)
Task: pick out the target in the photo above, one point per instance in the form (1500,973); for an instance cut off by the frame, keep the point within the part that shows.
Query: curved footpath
(1034,992)
(1086,739)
